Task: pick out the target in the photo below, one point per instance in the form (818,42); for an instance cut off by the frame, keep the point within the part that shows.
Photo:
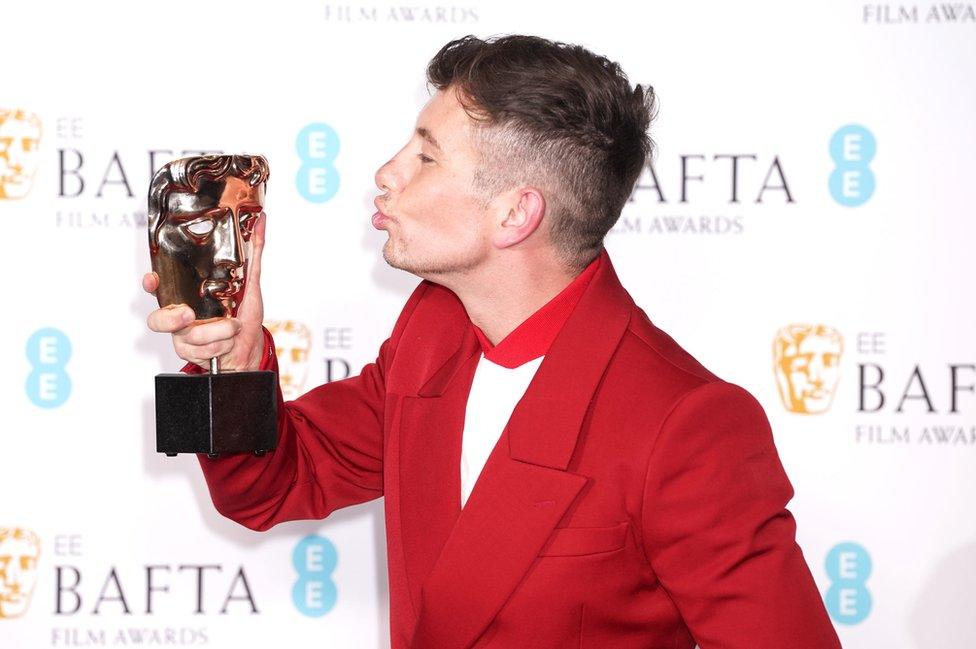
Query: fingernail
(187,315)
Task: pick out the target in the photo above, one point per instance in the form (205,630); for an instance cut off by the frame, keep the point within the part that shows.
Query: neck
(502,293)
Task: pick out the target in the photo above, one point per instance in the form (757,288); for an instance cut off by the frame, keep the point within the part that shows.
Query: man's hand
(237,342)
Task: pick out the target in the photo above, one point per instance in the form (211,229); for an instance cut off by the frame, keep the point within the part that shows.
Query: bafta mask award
(201,211)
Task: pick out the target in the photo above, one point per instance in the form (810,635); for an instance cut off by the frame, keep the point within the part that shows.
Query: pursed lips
(377,203)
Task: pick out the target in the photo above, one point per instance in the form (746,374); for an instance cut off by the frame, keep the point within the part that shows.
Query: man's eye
(424,158)
(200,228)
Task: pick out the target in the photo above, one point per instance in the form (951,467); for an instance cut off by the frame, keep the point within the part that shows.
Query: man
(556,471)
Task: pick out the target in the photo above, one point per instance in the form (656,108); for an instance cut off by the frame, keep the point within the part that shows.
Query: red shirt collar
(533,337)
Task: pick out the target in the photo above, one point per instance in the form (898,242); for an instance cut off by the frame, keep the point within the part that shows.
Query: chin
(428,264)
(388,257)
(395,258)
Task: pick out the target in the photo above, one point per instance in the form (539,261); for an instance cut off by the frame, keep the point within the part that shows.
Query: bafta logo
(19,551)
(20,136)
(293,342)
(806,362)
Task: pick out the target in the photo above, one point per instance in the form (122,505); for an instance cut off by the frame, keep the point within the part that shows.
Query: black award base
(216,414)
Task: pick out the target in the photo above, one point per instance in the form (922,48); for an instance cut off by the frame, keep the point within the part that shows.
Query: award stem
(213,366)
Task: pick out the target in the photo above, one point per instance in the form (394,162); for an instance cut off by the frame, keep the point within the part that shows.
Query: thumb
(257,249)
(251,303)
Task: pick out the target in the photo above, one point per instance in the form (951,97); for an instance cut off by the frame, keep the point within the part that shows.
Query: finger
(204,352)
(210,332)
(170,319)
(257,249)
(150,282)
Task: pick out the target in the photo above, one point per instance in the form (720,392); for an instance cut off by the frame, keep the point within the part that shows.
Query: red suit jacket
(634,500)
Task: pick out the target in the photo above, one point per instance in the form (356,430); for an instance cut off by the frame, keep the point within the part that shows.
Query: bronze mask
(201,214)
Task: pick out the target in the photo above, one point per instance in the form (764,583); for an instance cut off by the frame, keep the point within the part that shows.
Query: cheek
(436,194)
(453,215)
(426,197)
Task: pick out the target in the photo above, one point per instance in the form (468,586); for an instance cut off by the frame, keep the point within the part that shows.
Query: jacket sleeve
(330,447)
(717,532)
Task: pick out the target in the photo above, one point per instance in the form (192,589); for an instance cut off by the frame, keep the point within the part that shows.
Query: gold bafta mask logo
(806,361)
(20,136)
(293,342)
(19,552)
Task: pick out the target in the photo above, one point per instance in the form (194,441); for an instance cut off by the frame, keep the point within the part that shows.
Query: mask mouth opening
(222,288)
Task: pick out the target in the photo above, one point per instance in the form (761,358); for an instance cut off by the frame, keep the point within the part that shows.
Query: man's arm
(717,532)
(330,447)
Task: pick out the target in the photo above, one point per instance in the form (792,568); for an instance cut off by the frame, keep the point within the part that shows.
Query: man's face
(438,223)
(204,242)
(19,139)
(18,574)
(811,371)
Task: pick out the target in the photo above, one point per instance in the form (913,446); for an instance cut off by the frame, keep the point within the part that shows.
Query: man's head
(20,135)
(201,212)
(527,143)
(806,362)
(19,552)
(293,342)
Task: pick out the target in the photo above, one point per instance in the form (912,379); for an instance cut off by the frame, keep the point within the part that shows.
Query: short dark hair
(556,115)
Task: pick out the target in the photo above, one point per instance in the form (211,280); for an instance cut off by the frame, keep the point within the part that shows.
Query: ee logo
(48,384)
(848,598)
(314,558)
(852,149)
(317,145)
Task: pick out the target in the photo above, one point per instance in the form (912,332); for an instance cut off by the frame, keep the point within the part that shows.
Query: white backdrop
(128,547)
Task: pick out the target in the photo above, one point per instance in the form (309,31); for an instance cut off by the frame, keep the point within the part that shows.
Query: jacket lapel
(430,428)
(505,522)
(471,560)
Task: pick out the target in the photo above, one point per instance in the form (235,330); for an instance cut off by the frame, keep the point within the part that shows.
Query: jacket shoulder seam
(647,343)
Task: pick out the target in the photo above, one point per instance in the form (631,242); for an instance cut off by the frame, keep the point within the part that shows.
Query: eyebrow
(427,135)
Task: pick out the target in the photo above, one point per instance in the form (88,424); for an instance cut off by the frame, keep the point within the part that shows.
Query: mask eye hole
(200,227)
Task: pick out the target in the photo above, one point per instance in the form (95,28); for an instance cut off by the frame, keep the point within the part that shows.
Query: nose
(229,242)
(388,178)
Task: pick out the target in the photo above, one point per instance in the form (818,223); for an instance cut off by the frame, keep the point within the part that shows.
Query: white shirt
(495,391)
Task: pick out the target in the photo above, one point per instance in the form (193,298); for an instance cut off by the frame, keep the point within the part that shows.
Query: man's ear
(523,218)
